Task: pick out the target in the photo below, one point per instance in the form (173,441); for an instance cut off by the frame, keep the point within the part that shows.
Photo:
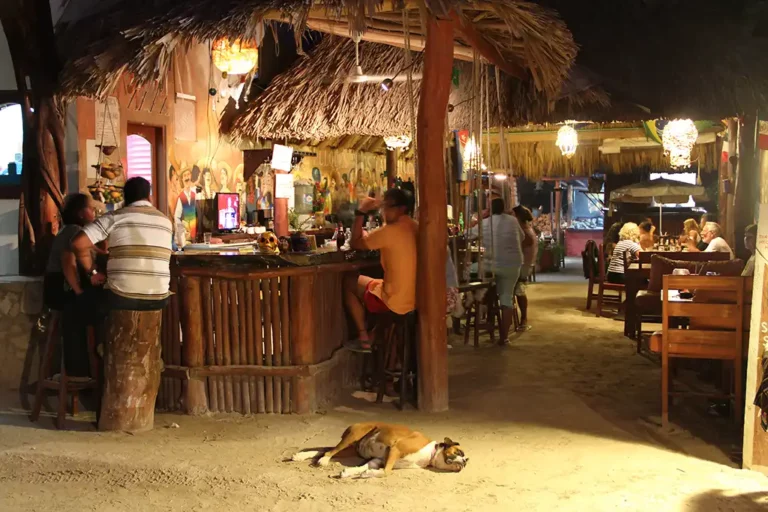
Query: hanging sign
(108,122)
(281,158)
(284,186)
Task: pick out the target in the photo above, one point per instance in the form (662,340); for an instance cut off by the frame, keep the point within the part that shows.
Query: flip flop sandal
(361,347)
(524,328)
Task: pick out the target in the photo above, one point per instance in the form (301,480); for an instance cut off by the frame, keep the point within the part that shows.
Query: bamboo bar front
(257,334)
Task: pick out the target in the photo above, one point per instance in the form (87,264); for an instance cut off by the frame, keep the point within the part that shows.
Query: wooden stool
(63,385)
(493,313)
(394,352)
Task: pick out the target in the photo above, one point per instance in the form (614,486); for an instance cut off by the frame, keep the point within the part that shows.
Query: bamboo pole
(219,332)
(268,346)
(432,346)
(229,395)
(259,334)
(286,345)
(194,349)
(210,351)
(277,349)
(251,342)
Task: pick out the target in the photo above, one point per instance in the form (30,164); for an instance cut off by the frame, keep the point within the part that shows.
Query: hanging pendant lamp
(236,57)
(678,139)
(567,140)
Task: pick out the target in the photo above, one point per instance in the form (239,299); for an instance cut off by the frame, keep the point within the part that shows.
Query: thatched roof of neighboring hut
(140,36)
(313,100)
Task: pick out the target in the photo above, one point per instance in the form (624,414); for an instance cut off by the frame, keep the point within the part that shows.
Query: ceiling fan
(385,81)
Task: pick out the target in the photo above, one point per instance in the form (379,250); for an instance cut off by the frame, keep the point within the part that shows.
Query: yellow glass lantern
(567,140)
(236,57)
(678,139)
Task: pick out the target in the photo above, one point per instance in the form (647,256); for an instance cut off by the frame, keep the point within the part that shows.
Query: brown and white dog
(386,447)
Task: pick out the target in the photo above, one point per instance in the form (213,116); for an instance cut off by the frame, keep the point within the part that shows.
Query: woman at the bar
(68,288)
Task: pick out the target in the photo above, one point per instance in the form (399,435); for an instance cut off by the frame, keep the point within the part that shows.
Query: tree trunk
(435,89)
(29,30)
(132,368)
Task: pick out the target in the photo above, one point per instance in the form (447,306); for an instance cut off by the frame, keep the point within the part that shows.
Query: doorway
(145,159)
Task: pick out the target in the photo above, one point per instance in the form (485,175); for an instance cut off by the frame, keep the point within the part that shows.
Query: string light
(236,57)
(567,140)
(678,139)
(394,142)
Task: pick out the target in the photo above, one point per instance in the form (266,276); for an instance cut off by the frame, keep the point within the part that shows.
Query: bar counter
(257,333)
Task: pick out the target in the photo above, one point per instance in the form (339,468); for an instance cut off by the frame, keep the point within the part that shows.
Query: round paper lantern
(236,57)
(678,139)
(567,140)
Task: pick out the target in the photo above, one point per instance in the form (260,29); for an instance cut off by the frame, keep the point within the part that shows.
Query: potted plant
(549,257)
(299,241)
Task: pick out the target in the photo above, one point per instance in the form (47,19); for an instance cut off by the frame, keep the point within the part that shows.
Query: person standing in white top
(507,256)
(711,234)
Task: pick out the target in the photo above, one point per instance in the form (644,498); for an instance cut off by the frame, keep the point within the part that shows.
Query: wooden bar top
(236,265)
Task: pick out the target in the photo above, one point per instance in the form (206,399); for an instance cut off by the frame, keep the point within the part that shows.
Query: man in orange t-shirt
(396,242)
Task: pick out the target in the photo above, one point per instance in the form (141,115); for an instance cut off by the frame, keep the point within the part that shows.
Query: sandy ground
(565,418)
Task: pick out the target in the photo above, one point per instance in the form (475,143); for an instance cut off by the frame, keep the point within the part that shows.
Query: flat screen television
(227,212)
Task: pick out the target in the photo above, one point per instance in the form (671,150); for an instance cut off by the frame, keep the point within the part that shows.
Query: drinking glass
(207,238)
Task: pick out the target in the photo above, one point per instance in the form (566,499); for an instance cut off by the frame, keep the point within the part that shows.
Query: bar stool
(63,385)
(493,311)
(394,353)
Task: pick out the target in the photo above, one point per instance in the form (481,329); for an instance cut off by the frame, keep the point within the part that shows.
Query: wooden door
(144,152)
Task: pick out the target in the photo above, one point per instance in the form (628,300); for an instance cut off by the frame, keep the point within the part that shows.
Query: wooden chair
(590,261)
(493,312)
(62,385)
(715,331)
(604,286)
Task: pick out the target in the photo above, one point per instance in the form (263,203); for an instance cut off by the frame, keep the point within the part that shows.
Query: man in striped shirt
(139,238)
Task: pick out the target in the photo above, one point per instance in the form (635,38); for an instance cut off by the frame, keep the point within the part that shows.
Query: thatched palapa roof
(140,37)
(314,100)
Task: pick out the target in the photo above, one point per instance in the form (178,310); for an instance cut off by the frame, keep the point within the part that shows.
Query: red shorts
(372,302)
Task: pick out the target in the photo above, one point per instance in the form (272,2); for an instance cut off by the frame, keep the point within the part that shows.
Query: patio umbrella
(662,191)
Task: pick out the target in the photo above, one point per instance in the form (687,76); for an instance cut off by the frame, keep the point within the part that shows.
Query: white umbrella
(662,191)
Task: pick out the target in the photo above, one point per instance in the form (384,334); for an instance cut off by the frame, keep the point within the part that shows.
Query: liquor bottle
(461,222)
(340,236)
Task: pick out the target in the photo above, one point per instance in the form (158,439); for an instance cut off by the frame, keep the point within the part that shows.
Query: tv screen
(228,211)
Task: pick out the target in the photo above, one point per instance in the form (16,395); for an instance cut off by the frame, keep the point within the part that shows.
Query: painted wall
(190,158)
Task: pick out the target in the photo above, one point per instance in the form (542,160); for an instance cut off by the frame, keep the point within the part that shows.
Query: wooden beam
(374,36)
(468,32)
(433,240)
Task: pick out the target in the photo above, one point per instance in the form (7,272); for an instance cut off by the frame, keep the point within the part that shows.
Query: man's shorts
(506,280)
(522,283)
(373,302)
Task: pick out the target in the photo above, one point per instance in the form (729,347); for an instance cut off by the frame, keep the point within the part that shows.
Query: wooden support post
(302,299)
(392,155)
(132,368)
(557,214)
(193,349)
(723,177)
(733,170)
(281,212)
(435,89)
(747,189)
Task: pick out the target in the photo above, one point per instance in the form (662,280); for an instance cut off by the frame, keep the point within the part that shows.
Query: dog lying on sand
(385,447)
